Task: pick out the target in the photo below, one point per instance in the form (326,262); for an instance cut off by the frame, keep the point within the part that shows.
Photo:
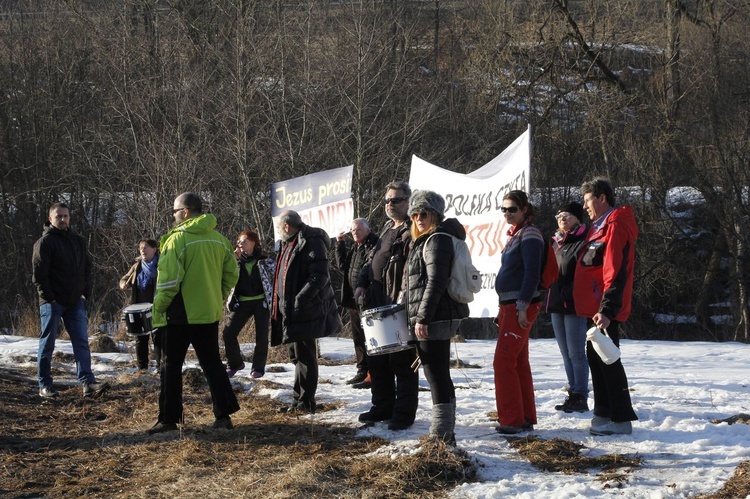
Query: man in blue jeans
(61,272)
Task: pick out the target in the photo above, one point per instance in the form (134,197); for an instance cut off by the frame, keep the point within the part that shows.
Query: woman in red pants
(517,285)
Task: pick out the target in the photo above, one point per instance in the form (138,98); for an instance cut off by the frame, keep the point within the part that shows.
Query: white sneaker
(613,428)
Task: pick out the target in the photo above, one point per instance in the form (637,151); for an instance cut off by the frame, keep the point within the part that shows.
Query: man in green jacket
(197,269)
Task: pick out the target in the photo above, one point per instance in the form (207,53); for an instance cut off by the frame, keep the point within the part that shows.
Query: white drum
(137,318)
(386,330)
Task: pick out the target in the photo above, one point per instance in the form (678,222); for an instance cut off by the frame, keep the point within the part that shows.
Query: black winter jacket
(61,267)
(426,286)
(308,308)
(567,248)
(381,276)
(350,261)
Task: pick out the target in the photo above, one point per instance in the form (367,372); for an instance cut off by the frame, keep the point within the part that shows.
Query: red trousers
(514,388)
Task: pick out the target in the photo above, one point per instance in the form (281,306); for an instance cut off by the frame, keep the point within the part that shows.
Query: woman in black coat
(433,315)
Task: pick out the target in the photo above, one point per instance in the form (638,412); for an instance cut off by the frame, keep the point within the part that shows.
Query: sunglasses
(175,210)
(563,216)
(420,215)
(509,209)
(396,200)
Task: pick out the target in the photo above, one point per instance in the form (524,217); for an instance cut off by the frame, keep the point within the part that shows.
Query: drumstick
(417,362)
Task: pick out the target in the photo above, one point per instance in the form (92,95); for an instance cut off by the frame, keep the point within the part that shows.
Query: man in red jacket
(602,290)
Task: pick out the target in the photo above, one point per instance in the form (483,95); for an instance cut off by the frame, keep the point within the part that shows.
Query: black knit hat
(427,201)
(574,209)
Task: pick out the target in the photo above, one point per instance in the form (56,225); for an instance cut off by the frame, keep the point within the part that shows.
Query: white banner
(475,200)
(322,199)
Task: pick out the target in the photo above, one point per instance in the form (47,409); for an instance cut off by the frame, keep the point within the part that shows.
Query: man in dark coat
(62,275)
(350,261)
(304,307)
(395,385)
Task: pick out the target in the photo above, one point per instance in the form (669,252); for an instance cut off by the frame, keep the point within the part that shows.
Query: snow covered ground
(677,389)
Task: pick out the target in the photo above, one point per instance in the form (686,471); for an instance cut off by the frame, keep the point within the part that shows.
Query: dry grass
(564,456)
(737,486)
(73,447)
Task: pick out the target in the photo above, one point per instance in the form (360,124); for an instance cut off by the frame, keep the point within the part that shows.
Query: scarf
(280,277)
(515,229)
(147,275)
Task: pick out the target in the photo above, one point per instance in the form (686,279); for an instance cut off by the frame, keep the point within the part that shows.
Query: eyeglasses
(242,241)
(509,209)
(178,209)
(396,200)
(422,214)
(563,216)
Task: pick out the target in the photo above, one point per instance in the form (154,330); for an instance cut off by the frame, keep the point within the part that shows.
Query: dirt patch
(73,447)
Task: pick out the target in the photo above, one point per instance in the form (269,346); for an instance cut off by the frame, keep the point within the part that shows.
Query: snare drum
(137,318)
(386,330)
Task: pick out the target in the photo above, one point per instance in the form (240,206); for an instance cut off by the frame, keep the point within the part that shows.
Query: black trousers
(237,320)
(305,359)
(142,350)
(205,341)
(611,392)
(436,361)
(395,385)
(358,336)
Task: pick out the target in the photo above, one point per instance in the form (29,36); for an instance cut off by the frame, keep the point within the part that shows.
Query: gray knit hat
(427,201)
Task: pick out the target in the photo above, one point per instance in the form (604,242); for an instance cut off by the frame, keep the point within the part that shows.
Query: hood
(624,217)
(48,228)
(198,225)
(452,227)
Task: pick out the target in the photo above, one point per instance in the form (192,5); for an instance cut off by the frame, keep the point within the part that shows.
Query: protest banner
(475,200)
(322,199)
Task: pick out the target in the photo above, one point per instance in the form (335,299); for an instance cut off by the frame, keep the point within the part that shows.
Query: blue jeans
(570,333)
(76,323)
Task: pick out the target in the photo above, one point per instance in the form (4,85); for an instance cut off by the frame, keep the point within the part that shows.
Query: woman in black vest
(250,298)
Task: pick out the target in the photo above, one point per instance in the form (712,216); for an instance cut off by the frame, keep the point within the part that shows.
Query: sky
(677,388)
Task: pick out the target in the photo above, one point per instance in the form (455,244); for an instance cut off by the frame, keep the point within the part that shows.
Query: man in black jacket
(304,307)
(61,272)
(350,261)
(395,385)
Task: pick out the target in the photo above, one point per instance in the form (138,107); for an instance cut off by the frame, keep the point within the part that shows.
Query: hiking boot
(95,390)
(160,427)
(224,422)
(612,428)
(299,407)
(574,403)
(514,430)
(365,383)
(398,425)
(374,415)
(599,420)
(47,392)
(231,372)
(358,378)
